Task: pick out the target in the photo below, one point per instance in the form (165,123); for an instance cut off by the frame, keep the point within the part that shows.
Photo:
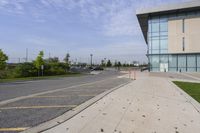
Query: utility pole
(105,62)
(26,54)
(91,59)
(42,68)
(49,56)
(76,61)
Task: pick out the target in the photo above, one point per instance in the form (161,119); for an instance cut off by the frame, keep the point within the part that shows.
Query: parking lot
(24,112)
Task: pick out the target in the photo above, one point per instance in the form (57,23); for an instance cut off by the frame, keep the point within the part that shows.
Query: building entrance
(164,67)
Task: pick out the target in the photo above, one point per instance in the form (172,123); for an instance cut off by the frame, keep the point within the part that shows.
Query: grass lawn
(39,78)
(193,89)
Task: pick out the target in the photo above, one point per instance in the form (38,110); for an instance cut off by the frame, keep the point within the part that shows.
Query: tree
(26,69)
(39,61)
(103,63)
(66,59)
(53,60)
(109,64)
(126,65)
(3,59)
(54,68)
(119,64)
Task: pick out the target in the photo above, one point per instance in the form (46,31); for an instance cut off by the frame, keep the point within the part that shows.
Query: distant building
(172,34)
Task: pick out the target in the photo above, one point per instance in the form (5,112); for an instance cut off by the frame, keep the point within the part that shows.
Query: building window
(173,62)
(155,61)
(181,63)
(158,34)
(155,27)
(163,27)
(183,25)
(183,44)
(198,63)
(191,63)
(155,44)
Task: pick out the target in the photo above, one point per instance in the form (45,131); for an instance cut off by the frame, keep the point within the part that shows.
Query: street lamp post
(91,59)
(104,62)
(26,54)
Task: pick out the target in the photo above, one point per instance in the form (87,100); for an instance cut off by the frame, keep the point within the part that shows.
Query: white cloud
(122,23)
(3,2)
(121,20)
(113,17)
(40,41)
(14,7)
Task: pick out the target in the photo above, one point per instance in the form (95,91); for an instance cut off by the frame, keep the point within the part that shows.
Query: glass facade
(158,35)
(175,62)
(159,58)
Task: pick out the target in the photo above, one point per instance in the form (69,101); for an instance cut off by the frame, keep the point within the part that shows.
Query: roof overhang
(144,14)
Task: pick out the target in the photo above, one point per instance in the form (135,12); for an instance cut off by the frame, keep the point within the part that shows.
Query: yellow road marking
(51,96)
(60,96)
(38,107)
(86,95)
(13,129)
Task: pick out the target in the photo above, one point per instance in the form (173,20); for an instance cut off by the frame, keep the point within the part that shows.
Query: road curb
(191,100)
(69,114)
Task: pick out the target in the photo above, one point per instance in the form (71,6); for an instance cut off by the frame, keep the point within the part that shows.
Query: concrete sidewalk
(146,105)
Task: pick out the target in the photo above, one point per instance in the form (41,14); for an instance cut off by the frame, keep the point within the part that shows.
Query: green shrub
(29,70)
(25,70)
(3,74)
(55,69)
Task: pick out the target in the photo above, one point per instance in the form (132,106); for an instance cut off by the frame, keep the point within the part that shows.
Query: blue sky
(105,28)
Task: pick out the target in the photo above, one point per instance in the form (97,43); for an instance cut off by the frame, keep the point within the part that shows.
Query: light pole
(91,59)
(26,54)
(104,62)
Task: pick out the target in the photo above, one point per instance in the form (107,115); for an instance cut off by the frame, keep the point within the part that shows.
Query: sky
(105,28)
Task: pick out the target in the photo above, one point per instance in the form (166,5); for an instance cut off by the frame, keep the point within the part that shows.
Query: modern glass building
(172,34)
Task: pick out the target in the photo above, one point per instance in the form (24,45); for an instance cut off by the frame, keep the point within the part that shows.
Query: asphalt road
(49,98)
